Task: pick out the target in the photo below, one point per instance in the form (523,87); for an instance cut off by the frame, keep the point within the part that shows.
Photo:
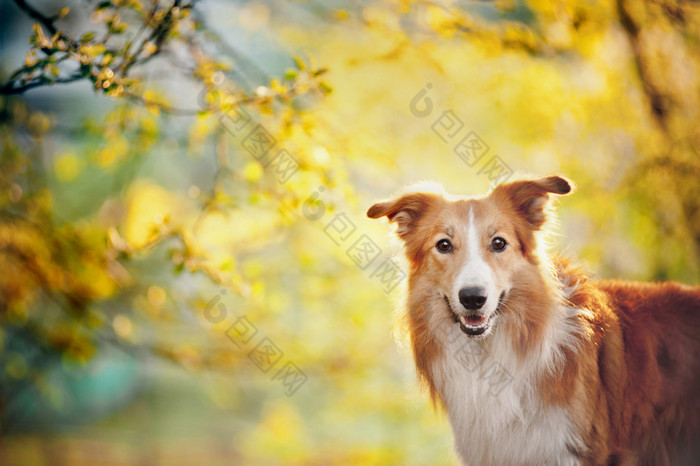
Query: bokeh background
(181,286)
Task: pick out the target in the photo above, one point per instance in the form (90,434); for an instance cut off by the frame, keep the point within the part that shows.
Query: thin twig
(10,89)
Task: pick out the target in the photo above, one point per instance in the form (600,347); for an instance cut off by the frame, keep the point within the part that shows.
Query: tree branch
(44,20)
(657,101)
(10,89)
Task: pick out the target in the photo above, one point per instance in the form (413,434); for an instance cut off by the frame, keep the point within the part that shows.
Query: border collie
(534,363)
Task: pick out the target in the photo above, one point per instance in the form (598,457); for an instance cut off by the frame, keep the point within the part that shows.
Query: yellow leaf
(441,21)
(67,167)
(94,50)
(39,36)
(252,172)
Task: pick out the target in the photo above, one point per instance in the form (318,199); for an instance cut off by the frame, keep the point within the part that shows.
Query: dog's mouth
(475,324)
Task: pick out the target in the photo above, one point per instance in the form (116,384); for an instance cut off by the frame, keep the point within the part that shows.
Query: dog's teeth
(463,320)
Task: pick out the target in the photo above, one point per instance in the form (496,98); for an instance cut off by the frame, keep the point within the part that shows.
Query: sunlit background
(187,275)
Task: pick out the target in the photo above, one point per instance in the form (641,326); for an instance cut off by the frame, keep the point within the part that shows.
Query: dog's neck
(491,388)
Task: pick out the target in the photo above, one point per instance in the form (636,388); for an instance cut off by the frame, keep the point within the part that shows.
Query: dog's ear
(405,210)
(529,197)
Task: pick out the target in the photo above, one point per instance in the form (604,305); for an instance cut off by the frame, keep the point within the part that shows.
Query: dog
(533,362)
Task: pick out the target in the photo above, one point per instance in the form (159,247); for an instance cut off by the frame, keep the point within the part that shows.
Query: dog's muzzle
(474,323)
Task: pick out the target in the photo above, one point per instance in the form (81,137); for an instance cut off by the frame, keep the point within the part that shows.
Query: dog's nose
(472,297)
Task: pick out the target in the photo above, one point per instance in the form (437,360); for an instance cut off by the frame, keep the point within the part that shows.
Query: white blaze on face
(476,271)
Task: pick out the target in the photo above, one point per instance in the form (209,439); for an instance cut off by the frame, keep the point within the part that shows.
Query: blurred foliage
(140,228)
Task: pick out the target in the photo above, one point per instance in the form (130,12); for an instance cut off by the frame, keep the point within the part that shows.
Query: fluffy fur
(551,368)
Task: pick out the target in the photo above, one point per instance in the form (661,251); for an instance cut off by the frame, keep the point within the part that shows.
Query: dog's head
(470,257)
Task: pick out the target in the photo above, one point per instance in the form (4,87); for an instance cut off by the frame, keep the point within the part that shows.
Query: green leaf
(301,66)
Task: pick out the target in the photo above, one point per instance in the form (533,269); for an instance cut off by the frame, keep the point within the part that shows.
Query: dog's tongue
(475,320)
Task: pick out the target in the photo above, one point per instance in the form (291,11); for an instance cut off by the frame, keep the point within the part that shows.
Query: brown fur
(632,385)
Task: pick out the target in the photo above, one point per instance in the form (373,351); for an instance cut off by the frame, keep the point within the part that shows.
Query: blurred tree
(61,275)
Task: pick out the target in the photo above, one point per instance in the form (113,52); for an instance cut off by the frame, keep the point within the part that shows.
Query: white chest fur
(492,403)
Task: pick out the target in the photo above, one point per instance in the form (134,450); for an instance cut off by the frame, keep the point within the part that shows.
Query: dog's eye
(444,246)
(498,244)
